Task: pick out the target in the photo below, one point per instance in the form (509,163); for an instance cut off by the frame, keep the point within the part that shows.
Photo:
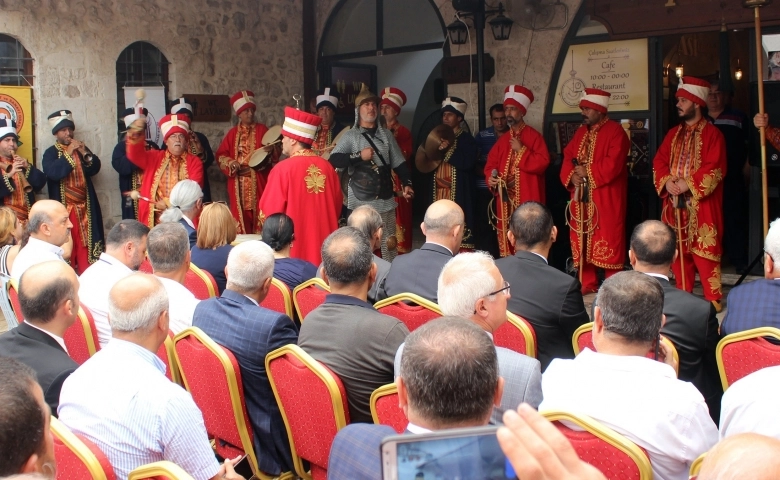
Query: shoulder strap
(376,150)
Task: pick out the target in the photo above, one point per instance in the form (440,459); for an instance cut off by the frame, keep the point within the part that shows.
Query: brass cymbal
(429,156)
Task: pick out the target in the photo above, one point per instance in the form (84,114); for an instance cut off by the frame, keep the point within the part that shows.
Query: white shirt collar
(45,246)
(439,244)
(55,337)
(657,275)
(187,219)
(113,261)
(540,256)
(417,429)
(253,300)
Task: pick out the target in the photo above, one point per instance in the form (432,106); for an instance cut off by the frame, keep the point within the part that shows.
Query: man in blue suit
(757,304)
(237,322)
(449,378)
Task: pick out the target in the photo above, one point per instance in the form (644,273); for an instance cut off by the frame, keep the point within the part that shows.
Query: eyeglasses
(505,290)
(221,202)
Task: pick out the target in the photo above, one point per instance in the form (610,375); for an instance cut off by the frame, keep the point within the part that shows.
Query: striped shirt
(121,401)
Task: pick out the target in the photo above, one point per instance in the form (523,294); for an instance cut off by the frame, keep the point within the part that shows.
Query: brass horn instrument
(23,174)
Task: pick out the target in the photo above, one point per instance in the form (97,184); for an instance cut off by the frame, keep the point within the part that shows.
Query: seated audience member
(470,286)
(216,233)
(346,333)
(636,396)
(169,254)
(748,455)
(539,451)
(125,251)
(691,323)
(48,228)
(757,304)
(417,271)
(26,441)
(547,298)
(279,233)
(121,400)
(48,294)
(186,204)
(235,321)
(750,405)
(11,230)
(449,379)
(366,219)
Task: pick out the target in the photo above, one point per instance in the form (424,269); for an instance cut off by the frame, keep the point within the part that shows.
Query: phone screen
(456,454)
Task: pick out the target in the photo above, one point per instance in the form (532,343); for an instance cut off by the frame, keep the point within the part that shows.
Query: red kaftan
(702,163)
(603,152)
(243,201)
(403,213)
(308,190)
(523,174)
(154,164)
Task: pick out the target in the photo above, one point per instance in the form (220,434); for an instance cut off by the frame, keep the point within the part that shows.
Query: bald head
(443,223)
(135,304)
(44,288)
(48,221)
(653,244)
(747,455)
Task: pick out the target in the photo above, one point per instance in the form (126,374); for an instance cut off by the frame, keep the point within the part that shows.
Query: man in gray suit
(470,286)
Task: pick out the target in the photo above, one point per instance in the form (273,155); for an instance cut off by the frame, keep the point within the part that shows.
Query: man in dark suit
(48,294)
(547,298)
(418,271)
(449,378)
(235,321)
(757,304)
(691,324)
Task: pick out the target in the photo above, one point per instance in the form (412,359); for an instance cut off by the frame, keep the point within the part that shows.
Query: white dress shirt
(121,401)
(95,283)
(182,305)
(639,398)
(750,405)
(35,252)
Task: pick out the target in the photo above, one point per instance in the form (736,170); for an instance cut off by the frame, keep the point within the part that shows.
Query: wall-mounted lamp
(738,72)
(666,69)
(678,70)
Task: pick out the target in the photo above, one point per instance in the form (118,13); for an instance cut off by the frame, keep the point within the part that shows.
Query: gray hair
(443,224)
(450,370)
(249,264)
(772,243)
(632,306)
(144,314)
(167,246)
(347,256)
(184,196)
(465,279)
(366,219)
(35,222)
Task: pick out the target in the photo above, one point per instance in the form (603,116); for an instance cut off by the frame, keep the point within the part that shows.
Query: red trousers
(249,221)
(79,258)
(709,272)
(590,281)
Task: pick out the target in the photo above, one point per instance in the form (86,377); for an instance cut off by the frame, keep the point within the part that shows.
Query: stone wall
(213,46)
(510,57)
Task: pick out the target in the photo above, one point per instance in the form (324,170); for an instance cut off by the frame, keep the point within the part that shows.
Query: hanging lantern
(678,70)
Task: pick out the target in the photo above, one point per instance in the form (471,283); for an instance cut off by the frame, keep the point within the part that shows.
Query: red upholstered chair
(212,376)
(167,353)
(77,457)
(308,296)
(146,266)
(81,337)
(385,409)
(13,295)
(200,283)
(413,315)
(517,335)
(614,455)
(743,353)
(313,403)
(279,298)
(163,470)
(696,466)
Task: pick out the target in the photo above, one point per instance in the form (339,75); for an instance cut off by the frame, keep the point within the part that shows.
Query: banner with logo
(154,102)
(16,104)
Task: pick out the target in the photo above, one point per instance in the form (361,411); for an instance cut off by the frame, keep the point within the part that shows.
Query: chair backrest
(413,315)
(308,296)
(279,298)
(610,452)
(743,353)
(211,374)
(81,337)
(163,470)
(517,335)
(696,466)
(5,303)
(200,283)
(313,403)
(77,457)
(146,266)
(385,409)
(167,353)
(13,296)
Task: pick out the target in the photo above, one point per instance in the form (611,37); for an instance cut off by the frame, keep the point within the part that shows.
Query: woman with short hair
(216,232)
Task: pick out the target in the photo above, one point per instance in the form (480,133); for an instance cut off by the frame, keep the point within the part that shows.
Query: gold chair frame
(409,297)
(530,343)
(383,391)
(163,468)
(209,286)
(286,294)
(85,325)
(696,465)
(312,281)
(739,337)
(75,445)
